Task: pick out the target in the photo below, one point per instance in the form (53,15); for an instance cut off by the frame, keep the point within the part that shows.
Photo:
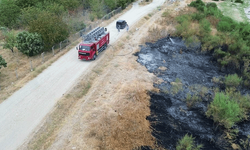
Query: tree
(97,7)
(9,13)
(29,14)
(51,27)
(2,62)
(29,43)
(111,4)
(10,41)
(26,3)
(70,4)
(52,7)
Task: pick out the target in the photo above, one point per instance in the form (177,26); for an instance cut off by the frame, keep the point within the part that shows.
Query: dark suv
(121,24)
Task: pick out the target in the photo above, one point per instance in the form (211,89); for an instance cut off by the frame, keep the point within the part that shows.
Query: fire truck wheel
(94,57)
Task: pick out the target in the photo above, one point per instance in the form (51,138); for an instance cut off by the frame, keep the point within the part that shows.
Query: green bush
(204,27)
(219,53)
(244,31)
(212,10)
(211,5)
(176,86)
(198,4)
(26,3)
(51,7)
(51,27)
(224,110)
(209,42)
(29,44)
(242,100)
(187,143)
(9,12)
(183,18)
(92,17)
(239,1)
(111,4)
(165,14)
(226,24)
(10,41)
(2,62)
(192,99)
(198,16)
(233,80)
(28,14)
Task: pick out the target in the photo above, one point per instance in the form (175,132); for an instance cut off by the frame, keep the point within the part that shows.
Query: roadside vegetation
(230,45)
(228,41)
(28,29)
(187,143)
(50,19)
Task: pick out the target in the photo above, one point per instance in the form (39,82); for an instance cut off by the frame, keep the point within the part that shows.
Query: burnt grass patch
(188,74)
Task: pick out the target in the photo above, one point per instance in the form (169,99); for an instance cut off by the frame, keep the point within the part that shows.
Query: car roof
(120,21)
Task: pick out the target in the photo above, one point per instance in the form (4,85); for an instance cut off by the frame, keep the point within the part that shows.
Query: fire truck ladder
(94,34)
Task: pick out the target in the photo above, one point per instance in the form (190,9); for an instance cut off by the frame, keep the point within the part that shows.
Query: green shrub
(52,7)
(183,18)
(92,16)
(2,62)
(198,4)
(165,14)
(198,16)
(191,40)
(10,41)
(192,99)
(219,53)
(212,10)
(187,143)
(232,80)
(242,100)
(244,31)
(239,1)
(226,24)
(176,86)
(29,44)
(224,110)
(9,13)
(216,0)
(211,5)
(204,27)
(209,42)
(51,27)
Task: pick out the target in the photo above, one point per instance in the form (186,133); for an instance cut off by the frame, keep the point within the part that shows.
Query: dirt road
(21,113)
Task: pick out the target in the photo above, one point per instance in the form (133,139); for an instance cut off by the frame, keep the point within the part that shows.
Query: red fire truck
(94,42)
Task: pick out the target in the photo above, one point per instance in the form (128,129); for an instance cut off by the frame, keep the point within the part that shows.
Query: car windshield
(84,48)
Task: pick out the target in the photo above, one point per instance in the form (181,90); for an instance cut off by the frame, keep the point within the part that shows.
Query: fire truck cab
(94,42)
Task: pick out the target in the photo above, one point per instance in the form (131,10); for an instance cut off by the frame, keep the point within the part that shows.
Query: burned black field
(187,74)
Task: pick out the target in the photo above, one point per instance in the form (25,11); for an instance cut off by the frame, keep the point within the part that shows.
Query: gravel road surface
(22,112)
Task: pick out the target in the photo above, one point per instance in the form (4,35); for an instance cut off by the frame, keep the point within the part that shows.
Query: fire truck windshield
(84,48)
